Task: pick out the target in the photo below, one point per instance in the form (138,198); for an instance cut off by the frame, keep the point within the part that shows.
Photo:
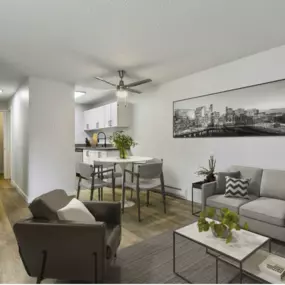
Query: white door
(7,144)
(114,115)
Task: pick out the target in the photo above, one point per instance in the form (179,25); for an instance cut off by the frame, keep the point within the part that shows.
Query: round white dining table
(123,163)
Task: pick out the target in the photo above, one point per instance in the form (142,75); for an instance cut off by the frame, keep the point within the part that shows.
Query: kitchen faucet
(105,138)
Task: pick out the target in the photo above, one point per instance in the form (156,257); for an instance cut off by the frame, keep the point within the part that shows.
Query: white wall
(51,137)
(152,126)
(19,105)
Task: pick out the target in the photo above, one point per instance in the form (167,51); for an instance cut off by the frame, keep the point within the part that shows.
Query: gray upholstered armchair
(63,250)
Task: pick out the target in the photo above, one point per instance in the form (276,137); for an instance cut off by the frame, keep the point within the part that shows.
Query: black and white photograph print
(251,111)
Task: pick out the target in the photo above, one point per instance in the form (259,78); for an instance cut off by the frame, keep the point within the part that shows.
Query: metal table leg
(217,270)
(240,272)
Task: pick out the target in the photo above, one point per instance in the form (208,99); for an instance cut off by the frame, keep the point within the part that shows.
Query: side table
(196,185)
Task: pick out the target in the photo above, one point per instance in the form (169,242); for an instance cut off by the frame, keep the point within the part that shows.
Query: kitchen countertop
(97,148)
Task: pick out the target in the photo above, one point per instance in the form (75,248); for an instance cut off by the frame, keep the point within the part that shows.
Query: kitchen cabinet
(108,116)
(90,155)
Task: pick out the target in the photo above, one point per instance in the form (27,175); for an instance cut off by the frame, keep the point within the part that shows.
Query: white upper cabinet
(108,116)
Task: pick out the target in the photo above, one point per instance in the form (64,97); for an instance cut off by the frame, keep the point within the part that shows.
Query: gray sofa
(65,250)
(264,211)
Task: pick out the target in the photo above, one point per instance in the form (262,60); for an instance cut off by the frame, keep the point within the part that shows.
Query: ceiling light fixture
(1,91)
(79,93)
(122,93)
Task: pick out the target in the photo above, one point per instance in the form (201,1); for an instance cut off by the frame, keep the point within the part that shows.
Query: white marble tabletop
(242,244)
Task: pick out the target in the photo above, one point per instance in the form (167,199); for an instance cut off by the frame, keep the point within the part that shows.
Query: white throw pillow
(76,211)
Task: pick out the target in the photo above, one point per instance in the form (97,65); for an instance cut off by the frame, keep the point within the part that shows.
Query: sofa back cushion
(47,205)
(273,184)
(252,173)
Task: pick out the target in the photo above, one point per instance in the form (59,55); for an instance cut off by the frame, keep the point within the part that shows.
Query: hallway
(12,208)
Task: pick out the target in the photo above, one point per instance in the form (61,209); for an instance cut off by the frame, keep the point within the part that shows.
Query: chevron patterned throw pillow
(237,187)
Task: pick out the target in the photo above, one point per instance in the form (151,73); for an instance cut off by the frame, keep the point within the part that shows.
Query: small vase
(123,153)
(225,233)
(210,178)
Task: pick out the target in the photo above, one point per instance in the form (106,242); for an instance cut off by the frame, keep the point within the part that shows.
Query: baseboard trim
(19,190)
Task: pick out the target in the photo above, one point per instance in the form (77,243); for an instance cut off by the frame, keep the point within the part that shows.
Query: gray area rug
(151,262)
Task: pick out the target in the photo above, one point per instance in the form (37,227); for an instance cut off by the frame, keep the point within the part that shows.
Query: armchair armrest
(63,244)
(108,212)
(208,189)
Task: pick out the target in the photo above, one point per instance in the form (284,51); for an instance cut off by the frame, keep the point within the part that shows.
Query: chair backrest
(150,170)
(84,169)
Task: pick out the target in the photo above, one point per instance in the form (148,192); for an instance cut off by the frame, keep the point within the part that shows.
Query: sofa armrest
(108,212)
(208,189)
(64,243)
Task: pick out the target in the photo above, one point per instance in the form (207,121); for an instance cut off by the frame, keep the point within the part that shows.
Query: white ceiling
(74,40)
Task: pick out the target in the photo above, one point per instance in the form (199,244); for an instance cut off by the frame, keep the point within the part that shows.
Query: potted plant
(227,221)
(122,142)
(208,173)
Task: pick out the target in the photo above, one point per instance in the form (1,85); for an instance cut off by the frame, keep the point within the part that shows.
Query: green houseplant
(208,173)
(227,221)
(122,142)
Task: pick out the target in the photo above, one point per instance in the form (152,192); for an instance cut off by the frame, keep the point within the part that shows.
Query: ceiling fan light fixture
(79,93)
(122,93)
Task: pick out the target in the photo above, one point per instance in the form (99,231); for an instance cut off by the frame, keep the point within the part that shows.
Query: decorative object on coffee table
(122,142)
(227,221)
(208,173)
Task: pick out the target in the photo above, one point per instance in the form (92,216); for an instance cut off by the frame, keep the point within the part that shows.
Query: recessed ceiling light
(1,91)
(79,93)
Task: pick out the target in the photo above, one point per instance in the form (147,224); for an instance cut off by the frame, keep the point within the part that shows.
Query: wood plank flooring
(13,207)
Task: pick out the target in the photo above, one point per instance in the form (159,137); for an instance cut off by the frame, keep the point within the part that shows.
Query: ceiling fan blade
(101,79)
(133,90)
(138,83)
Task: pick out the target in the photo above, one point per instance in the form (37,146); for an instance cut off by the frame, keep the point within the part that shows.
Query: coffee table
(244,251)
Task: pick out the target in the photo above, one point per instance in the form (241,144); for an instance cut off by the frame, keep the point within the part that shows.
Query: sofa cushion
(233,204)
(221,180)
(273,184)
(46,205)
(237,187)
(252,173)
(264,209)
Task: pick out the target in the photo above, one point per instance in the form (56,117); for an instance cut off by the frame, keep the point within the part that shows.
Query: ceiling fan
(122,88)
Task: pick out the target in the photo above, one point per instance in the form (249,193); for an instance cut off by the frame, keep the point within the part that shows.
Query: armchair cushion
(75,211)
(46,206)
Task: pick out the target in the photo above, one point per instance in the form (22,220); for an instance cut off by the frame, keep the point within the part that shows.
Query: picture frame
(254,110)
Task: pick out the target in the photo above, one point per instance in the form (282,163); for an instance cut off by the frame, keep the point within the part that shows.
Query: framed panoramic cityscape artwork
(257,110)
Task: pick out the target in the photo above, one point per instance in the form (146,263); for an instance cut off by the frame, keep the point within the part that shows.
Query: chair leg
(101,189)
(138,204)
(113,189)
(114,194)
(41,275)
(99,195)
(95,266)
(123,193)
(147,198)
(91,194)
(78,191)
(163,197)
